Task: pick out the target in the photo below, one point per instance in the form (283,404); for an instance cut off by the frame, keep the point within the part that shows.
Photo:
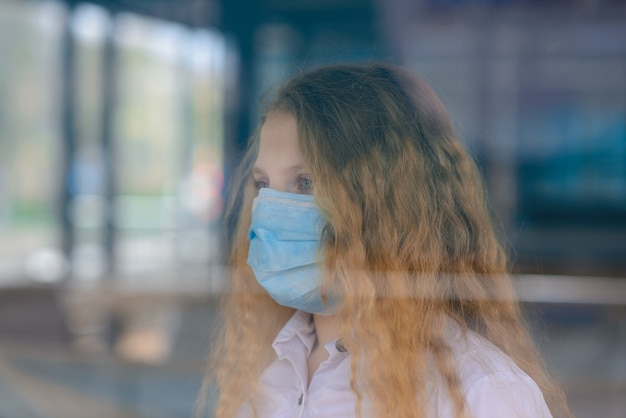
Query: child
(367,280)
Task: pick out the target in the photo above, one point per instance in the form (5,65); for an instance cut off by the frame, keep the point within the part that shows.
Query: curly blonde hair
(408,243)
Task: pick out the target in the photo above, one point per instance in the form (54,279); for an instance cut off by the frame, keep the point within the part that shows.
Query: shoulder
(492,383)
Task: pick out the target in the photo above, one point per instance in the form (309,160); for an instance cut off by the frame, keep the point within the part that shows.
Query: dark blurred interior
(121,121)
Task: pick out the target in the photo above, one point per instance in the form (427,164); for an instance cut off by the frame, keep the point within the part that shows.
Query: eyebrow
(257,170)
(296,167)
(293,168)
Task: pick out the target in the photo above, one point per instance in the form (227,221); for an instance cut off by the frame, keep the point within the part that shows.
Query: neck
(326,328)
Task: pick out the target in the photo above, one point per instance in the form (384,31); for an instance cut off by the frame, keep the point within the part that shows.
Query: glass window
(30,38)
(168,152)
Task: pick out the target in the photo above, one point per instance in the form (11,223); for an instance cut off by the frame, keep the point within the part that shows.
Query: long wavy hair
(408,244)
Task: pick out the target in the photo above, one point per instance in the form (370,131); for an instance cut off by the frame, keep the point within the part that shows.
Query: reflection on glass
(169,141)
(30,35)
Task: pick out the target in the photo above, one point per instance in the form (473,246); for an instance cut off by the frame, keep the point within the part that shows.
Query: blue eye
(261,185)
(305,184)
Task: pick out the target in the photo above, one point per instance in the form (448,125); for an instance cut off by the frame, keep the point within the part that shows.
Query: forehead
(279,136)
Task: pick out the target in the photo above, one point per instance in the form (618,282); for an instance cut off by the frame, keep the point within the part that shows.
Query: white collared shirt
(491,382)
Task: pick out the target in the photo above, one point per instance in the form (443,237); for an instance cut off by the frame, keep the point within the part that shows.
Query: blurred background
(121,121)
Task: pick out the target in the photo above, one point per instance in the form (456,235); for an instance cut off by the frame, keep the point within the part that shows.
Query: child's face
(279,164)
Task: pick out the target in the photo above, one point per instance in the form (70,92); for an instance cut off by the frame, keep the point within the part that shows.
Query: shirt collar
(300,327)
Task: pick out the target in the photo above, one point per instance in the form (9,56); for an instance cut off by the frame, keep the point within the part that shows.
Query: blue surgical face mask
(284,241)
